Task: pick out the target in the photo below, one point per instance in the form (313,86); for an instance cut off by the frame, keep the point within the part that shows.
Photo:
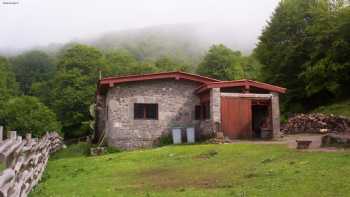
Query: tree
(303,49)
(120,62)
(168,64)
(88,60)
(8,84)
(72,94)
(221,63)
(27,114)
(328,70)
(74,85)
(30,67)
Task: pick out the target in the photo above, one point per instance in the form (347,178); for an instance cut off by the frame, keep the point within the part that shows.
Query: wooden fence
(24,161)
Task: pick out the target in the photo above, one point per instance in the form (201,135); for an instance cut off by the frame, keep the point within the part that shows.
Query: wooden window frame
(146,109)
(202,111)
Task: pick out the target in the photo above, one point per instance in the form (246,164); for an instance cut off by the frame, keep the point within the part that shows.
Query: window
(146,111)
(197,112)
(202,112)
(205,111)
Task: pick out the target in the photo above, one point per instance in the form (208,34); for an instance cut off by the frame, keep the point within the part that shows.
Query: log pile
(316,123)
(336,140)
(25,161)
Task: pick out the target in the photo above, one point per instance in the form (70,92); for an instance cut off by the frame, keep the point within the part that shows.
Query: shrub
(165,139)
(27,114)
(75,150)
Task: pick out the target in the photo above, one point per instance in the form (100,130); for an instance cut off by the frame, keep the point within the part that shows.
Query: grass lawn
(199,170)
(339,108)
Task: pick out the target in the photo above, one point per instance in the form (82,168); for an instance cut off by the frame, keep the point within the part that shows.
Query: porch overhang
(244,83)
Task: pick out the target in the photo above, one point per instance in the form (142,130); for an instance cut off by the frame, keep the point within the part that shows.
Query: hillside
(199,170)
(341,108)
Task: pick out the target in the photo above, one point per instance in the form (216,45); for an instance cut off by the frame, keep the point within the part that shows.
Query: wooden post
(275,108)
(1,133)
(29,138)
(12,135)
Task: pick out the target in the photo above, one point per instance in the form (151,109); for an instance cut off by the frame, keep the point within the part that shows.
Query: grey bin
(190,135)
(176,133)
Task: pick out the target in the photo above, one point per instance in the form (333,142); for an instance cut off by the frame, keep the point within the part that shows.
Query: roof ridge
(160,73)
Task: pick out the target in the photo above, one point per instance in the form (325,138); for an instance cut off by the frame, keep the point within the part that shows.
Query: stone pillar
(275,108)
(215,105)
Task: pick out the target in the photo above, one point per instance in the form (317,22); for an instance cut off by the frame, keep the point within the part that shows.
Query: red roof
(205,83)
(241,83)
(178,75)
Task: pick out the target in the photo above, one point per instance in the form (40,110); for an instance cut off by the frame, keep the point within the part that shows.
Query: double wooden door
(236,117)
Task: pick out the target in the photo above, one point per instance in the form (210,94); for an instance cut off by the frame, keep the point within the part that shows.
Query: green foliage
(305,48)
(75,150)
(87,60)
(169,64)
(340,108)
(221,63)
(27,114)
(72,94)
(2,167)
(8,84)
(72,89)
(120,62)
(30,67)
(165,139)
(201,171)
(111,150)
(328,69)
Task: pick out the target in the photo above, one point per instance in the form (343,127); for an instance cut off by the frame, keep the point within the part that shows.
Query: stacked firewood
(316,123)
(24,161)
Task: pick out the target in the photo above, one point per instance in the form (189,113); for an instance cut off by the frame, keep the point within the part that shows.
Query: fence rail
(24,161)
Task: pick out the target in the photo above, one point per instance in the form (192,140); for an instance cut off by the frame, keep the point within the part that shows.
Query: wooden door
(236,117)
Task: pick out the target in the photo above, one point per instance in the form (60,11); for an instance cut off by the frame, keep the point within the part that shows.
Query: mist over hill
(187,42)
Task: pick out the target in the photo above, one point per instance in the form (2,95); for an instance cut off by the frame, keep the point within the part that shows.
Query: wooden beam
(248,95)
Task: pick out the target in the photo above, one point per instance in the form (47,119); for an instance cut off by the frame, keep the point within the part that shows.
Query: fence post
(1,133)
(12,135)
(29,138)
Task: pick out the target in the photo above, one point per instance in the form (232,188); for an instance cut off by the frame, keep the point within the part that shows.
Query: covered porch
(241,109)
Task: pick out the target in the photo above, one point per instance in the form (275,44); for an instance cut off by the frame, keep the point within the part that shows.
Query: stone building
(135,111)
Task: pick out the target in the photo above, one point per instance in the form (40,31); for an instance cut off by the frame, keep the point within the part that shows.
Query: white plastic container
(176,133)
(190,135)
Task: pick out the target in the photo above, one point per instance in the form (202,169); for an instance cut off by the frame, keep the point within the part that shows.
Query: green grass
(75,150)
(339,108)
(2,166)
(200,170)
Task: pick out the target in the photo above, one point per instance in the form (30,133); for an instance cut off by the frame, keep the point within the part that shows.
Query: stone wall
(176,104)
(215,107)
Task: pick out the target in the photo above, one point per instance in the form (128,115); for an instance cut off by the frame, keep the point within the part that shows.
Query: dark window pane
(208,111)
(205,110)
(145,111)
(197,112)
(151,111)
(139,111)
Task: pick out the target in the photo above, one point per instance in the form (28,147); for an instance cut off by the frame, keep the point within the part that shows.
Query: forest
(305,47)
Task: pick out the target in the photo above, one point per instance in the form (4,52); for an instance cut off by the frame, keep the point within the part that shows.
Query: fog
(32,23)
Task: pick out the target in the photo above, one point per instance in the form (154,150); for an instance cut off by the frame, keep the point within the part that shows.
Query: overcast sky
(41,22)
